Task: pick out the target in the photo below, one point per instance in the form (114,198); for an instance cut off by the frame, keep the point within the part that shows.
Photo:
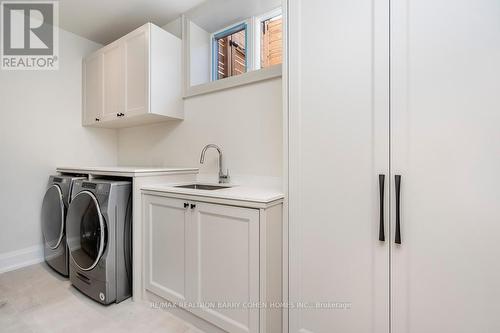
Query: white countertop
(236,193)
(126,171)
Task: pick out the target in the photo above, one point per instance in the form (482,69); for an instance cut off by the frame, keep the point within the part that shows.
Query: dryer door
(85,230)
(53,217)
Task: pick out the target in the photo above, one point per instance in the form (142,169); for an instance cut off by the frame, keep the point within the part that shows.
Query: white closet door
(339,144)
(446,146)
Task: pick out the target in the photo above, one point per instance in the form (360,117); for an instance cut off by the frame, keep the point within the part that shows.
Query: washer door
(53,217)
(85,232)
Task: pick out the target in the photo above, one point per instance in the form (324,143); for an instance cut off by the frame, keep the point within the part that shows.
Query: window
(234,47)
(249,45)
(271,41)
(230,52)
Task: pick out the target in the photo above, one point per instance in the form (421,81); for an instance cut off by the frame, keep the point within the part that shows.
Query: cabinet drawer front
(227,266)
(165,245)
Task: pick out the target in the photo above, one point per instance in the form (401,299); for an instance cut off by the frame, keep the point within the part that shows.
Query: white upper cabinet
(134,80)
(136,51)
(93,87)
(113,60)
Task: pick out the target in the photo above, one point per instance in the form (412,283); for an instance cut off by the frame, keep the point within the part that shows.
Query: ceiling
(213,15)
(104,21)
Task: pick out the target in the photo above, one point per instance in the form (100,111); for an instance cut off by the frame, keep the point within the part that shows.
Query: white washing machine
(54,207)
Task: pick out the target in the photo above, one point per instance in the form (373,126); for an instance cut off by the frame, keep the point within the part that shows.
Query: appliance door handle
(397,238)
(381,232)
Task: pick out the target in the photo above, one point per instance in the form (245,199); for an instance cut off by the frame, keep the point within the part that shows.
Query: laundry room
(116,129)
(249,166)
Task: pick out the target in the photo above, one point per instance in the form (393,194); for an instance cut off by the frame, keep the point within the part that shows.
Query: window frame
(250,77)
(214,38)
(258,33)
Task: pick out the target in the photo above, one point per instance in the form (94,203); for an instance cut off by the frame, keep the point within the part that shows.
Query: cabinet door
(166,229)
(226,278)
(92,89)
(114,81)
(137,69)
(339,144)
(446,146)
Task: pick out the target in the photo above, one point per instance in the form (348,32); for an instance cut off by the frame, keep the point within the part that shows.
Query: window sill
(235,81)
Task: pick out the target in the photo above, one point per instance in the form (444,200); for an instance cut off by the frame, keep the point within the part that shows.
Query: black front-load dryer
(54,207)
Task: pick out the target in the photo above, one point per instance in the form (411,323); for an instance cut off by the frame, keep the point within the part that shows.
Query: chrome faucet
(223,177)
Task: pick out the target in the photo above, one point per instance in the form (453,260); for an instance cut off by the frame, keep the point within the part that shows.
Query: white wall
(199,51)
(175,27)
(41,129)
(245,121)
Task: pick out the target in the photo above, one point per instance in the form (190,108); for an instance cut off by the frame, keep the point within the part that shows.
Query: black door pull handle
(397,238)
(381,231)
(193,206)
(186,205)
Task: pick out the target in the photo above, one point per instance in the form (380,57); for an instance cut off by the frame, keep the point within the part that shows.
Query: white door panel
(339,128)
(114,81)
(226,266)
(446,146)
(167,253)
(92,89)
(137,69)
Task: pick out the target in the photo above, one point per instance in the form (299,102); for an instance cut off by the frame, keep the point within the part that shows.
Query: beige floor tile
(35,299)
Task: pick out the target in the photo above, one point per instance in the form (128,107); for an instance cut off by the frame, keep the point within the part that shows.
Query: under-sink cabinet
(219,262)
(134,80)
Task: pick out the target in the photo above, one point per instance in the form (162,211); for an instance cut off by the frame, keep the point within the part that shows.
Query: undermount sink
(203,187)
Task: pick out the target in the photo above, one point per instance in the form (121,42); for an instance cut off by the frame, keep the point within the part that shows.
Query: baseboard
(21,258)
(185,315)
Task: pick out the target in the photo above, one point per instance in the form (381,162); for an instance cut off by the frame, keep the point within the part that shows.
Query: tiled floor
(37,300)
